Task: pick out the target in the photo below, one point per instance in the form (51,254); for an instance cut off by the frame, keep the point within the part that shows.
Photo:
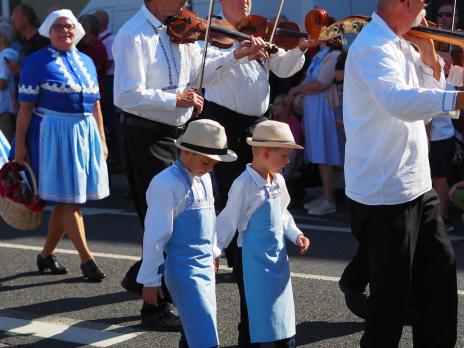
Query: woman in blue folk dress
(60,133)
(322,143)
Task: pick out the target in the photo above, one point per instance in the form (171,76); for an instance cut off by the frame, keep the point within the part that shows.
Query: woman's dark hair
(340,65)
(30,14)
(91,22)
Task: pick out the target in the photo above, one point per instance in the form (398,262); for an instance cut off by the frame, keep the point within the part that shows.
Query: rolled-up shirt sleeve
(158,230)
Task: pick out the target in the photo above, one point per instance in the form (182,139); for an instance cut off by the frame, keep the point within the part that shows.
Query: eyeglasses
(445,14)
(60,27)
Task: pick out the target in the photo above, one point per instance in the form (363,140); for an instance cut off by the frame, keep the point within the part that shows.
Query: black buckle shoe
(92,272)
(160,318)
(50,263)
(356,301)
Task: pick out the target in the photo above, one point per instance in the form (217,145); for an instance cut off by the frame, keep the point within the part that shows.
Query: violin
(287,34)
(188,27)
(354,24)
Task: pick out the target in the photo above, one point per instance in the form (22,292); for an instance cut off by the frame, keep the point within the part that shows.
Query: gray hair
(7,32)
(91,22)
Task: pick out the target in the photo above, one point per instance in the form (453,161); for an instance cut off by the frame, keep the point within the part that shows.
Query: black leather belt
(160,128)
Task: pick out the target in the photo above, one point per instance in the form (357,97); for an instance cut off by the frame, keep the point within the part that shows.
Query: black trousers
(244,340)
(356,273)
(147,148)
(411,262)
(238,127)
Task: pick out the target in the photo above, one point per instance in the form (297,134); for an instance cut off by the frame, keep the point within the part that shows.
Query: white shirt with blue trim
(388,94)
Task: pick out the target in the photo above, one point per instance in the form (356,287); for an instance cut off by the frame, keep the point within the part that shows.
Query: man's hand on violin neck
(304,44)
(188,99)
(254,49)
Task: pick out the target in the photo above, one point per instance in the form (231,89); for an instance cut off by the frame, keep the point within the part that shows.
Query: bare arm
(22,125)
(3,84)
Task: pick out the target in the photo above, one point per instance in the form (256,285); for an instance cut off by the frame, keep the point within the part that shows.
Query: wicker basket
(18,215)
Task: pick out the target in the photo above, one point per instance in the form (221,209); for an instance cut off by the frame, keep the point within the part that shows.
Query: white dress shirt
(166,199)
(388,93)
(246,89)
(150,70)
(248,194)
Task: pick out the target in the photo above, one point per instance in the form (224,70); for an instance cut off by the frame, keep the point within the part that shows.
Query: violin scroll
(316,20)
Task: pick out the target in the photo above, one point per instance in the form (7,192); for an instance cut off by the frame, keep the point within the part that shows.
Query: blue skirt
(67,156)
(4,149)
(322,143)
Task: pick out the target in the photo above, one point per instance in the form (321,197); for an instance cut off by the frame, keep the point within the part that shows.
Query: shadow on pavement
(316,331)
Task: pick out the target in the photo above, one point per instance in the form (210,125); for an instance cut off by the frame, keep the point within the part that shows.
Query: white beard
(419,18)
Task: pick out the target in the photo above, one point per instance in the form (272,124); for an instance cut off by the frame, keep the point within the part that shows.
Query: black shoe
(132,287)
(50,263)
(160,318)
(92,272)
(356,301)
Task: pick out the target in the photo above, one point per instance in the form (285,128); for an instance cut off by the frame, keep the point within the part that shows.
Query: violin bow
(453,23)
(203,63)
(276,22)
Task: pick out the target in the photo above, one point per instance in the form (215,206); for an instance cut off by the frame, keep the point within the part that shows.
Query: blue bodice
(61,81)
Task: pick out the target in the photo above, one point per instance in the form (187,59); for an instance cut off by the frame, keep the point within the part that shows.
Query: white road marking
(62,332)
(136,258)
(303,226)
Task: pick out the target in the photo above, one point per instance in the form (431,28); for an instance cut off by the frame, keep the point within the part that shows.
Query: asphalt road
(39,310)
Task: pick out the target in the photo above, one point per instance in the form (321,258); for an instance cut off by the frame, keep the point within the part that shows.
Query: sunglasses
(445,14)
(60,27)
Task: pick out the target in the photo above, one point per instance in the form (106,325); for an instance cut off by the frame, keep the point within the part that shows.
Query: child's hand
(150,294)
(303,243)
(216,265)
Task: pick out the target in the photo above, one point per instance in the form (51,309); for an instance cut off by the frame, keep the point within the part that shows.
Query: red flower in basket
(13,187)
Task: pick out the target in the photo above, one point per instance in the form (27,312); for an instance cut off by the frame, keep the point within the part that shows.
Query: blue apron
(189,271)
(266,274)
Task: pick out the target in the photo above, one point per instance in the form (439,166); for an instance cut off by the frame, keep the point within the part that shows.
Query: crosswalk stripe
(63,332)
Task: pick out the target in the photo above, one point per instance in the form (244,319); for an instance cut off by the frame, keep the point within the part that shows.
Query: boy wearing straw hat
(180,224)
(257,208)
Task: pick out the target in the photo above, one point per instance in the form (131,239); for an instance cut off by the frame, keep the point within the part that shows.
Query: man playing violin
(240,99)
(391,89)
(153,79)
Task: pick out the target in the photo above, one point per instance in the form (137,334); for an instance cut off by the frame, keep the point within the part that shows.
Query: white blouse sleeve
(158,230)
(287,63)
(230,217)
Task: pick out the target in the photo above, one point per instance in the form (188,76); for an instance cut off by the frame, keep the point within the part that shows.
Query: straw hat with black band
(207,138)
(273,134)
